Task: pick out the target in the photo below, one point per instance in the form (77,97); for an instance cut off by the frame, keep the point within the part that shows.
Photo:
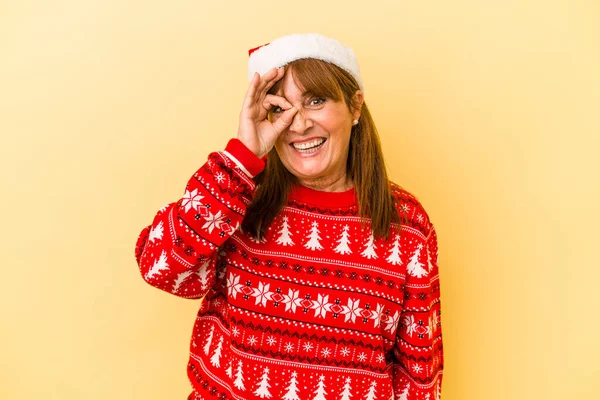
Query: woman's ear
(357,101)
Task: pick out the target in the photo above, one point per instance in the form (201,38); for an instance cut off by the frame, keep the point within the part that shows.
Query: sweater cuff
(245,158)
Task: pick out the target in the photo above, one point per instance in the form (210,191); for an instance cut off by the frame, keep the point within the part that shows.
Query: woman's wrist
(238,149)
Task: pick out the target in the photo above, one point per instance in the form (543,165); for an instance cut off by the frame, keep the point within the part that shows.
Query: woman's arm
(418,351)
(177,253)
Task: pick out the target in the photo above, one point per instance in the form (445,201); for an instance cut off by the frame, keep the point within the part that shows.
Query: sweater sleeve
(418,351)
(178,251)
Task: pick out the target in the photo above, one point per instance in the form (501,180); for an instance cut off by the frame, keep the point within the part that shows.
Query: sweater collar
(303,194)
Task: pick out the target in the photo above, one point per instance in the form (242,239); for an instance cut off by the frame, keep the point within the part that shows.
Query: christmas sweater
(317,309)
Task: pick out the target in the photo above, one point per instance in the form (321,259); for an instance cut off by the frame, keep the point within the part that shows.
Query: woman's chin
(305,166)
(306,172)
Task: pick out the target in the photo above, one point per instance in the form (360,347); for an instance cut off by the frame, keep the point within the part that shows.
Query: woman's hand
(255,130)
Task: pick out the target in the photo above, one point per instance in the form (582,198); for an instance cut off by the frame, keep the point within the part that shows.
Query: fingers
(273,100)
(286,119)
(259,85)
(251,91)
(269,80)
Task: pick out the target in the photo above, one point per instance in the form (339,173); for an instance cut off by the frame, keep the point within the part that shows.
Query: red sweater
(317,310)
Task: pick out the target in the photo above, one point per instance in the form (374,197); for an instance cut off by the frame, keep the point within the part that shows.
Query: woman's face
(314,147)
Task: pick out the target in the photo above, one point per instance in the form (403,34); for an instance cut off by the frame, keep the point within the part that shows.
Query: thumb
(285,120)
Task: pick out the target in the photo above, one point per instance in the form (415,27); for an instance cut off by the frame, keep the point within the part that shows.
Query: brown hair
(365,166)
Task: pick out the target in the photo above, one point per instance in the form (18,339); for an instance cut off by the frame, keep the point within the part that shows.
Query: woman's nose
(300,123)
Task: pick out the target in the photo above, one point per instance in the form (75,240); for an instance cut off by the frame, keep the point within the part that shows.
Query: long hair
(365,167)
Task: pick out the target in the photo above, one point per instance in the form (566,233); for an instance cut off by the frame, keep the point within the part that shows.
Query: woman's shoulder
(410,209)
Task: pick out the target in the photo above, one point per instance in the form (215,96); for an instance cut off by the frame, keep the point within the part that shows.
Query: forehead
(306,83)
(289,89)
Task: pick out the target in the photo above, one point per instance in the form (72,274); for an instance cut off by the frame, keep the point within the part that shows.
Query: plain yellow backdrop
(488,112)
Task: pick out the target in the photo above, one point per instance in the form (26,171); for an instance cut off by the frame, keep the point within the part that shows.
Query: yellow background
(488,112)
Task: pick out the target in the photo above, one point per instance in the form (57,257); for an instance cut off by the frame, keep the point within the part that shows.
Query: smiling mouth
(309,147)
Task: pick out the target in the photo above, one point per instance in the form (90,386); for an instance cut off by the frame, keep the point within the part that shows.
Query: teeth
(308,145)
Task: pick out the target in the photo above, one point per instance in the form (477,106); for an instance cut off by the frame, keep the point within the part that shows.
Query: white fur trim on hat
(286,49)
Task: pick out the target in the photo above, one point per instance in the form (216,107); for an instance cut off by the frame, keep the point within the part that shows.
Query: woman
(319,276)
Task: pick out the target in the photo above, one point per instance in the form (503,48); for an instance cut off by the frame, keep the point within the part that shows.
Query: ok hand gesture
(255,130)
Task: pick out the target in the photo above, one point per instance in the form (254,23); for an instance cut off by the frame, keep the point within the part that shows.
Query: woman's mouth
(310,146)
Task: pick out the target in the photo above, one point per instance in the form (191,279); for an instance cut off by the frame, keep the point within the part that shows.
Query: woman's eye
(277,110)
(317,101)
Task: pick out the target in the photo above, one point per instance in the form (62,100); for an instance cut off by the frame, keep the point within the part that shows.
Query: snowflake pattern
(351,311)
(191,200)
(321,306)
(262,294)
(233,285)
(362,357)
(220,177)
(294,301)
(345,351)
(213,221)
(377,314)
(252,340)
(271,340)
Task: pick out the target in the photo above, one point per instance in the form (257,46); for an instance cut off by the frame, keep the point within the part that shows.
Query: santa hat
(286,49)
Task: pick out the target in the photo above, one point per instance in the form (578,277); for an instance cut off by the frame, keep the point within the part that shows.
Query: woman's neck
(336,184)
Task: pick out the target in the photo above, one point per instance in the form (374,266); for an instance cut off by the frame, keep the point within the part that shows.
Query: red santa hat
(286,49)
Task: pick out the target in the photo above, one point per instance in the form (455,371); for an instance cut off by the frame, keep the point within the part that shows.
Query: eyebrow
(306,94)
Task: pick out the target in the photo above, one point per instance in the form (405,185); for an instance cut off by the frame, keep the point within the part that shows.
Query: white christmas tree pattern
(156,233)
(371,393)
(369,251)
(191,200)
(415,267)
(203,274)
(285,238)
(229,370)
(209,340)
(313,236)
(346,394)
(292,389)
(320,390)
(159,265)
(429,259)
(239,378)
(180,278)
(404,394)
(215,359)
(394,257)
(262,390)
(343,242)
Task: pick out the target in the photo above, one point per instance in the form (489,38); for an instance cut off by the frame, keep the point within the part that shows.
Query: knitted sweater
(319,309)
